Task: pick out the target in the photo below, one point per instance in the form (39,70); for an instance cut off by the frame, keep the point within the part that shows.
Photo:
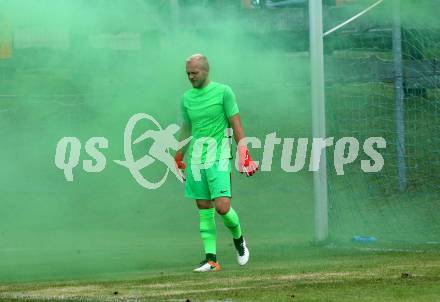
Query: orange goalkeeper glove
(180,164)
(245,162)
(179,161)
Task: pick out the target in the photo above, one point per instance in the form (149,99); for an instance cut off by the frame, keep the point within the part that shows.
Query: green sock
(208,230)
(232,223)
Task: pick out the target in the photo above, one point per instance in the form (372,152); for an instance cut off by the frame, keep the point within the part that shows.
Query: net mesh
(362,102)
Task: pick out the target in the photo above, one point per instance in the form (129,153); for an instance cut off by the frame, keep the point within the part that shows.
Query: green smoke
(82,69)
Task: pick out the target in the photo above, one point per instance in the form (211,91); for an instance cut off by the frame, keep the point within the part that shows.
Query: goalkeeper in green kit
(209,111)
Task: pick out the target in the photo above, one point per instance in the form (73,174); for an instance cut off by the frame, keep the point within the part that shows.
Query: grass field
(294,274)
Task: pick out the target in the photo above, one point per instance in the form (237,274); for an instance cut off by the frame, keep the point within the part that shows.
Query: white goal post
(318,117)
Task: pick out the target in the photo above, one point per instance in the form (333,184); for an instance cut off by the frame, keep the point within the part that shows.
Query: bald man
(209,109)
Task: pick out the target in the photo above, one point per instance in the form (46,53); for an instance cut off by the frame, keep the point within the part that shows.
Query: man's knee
(222,205)
(204,204)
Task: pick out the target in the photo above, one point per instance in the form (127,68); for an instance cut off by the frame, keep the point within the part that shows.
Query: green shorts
(208,181)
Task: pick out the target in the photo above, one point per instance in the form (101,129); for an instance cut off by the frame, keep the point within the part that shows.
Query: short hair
(200,58)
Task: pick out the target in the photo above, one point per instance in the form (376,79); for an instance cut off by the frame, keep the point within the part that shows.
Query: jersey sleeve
(229,102)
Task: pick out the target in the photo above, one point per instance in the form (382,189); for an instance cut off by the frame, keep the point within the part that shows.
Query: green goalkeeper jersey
(208,110)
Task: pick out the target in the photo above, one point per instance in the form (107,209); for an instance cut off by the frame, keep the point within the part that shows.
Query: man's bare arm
(185,132)
(235,123)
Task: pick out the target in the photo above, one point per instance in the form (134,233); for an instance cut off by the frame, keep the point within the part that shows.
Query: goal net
(364,61)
